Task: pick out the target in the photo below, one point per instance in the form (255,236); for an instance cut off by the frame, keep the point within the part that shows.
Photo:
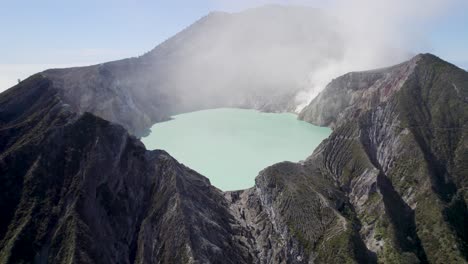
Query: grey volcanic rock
(297,216)
(348,96)
(398,151)
(78,189)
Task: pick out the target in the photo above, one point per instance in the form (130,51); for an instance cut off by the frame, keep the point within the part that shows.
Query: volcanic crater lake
(231,146)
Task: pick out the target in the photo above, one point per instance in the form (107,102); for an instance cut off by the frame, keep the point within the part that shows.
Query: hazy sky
(36,35)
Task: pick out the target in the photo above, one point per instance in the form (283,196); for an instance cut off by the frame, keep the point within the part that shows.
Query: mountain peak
(369,89)
(427,56)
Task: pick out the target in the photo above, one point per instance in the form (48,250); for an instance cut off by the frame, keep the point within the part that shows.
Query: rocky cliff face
(399,151)
(388,186)
(354,93)
(78,189)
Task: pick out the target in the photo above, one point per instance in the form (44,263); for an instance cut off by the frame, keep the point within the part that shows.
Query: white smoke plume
(375,33)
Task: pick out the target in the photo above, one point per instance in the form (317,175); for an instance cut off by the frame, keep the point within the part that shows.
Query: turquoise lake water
(230,146)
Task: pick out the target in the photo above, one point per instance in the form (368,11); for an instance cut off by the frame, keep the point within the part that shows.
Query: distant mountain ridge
(259,59)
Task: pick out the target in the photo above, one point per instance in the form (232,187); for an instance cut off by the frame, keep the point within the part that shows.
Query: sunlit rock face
(354,93)
(397,150)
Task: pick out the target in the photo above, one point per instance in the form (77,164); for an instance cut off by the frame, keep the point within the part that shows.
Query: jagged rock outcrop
(350,95)
(296,215)
(78,189)
(399,152)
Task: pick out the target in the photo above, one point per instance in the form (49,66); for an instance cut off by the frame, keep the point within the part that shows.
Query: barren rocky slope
(399,152)
(389,185)
(78,189)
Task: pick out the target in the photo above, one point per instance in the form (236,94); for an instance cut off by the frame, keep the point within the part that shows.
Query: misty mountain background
(347,35)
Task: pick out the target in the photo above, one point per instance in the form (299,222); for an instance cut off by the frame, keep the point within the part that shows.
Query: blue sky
(48,33)
(80,31)
(449,37)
